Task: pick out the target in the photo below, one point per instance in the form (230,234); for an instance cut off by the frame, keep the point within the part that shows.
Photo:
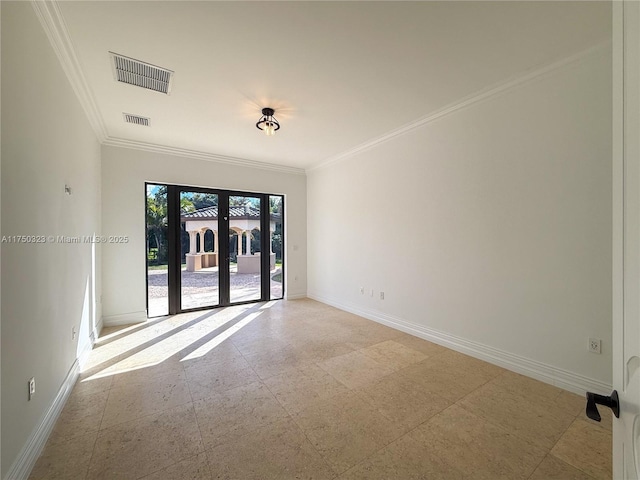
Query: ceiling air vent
(141,74)
(136,119)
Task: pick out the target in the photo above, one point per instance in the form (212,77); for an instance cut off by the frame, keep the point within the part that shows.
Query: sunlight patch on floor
(172,345)
(213,343)
(106,351)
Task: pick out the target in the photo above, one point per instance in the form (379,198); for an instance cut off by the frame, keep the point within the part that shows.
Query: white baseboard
(21,468)
(124,319)
(564,379)
(24,463)
(296,296)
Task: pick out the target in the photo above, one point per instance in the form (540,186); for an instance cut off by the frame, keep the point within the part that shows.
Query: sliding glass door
(217,248)
(199,267)
(245,266)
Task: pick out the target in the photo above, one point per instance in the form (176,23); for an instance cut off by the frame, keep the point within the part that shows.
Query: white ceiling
(338,74)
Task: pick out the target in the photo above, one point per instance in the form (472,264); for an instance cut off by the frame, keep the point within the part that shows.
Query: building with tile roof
(243,220)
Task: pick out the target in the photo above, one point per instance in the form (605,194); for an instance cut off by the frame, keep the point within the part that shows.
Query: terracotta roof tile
(211,213)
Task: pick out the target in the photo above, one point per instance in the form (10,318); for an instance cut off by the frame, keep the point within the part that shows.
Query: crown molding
(53,23)
(468,101)
(210,157)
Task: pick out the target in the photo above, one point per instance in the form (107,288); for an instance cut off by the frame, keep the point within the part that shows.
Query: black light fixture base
(268,122)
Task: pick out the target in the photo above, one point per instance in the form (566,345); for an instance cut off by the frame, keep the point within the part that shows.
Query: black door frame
(224,278)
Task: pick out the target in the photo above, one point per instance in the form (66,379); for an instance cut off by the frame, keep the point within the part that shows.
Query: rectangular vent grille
(136,119)
(141,74)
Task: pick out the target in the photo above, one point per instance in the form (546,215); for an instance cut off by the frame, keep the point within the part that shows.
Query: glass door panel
(199,269)
(244,248)
(276,263)
(157,251)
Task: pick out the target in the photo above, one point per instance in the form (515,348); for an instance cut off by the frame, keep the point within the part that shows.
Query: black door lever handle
(612,402)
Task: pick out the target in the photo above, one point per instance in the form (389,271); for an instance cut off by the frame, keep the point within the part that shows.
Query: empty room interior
(341,240)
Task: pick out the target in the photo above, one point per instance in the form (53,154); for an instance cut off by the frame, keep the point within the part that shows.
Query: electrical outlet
(371,293)
(381,295)
(361,290)
(73,332)
(595,345)
(32,387)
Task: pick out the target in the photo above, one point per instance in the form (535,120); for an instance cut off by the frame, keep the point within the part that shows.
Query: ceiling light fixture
(268,123)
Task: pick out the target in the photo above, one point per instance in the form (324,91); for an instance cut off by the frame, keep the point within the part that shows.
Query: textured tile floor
(300,390)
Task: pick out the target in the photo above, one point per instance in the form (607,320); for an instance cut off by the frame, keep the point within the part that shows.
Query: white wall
(491,224)
(47,143)
(124,172)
